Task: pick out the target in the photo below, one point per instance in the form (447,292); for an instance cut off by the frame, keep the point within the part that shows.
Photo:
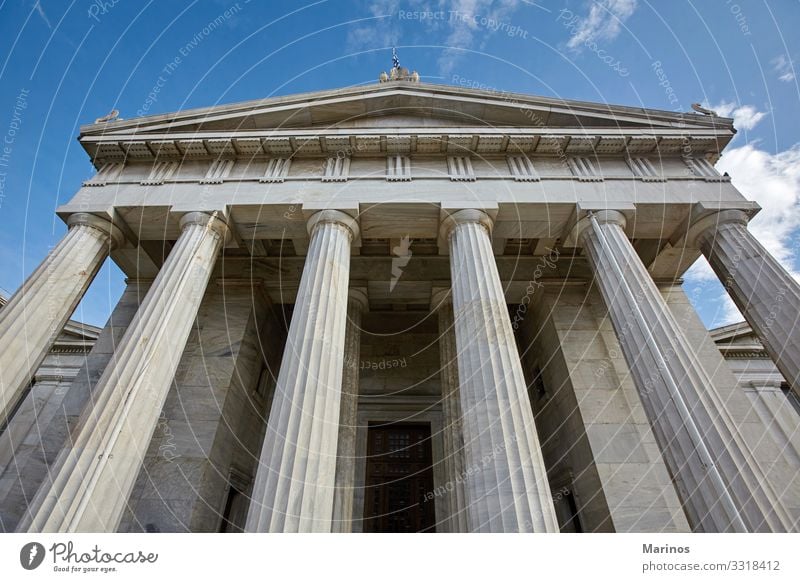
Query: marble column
(294,486)
(94,477)
(453,437)
(348,415)
(35,315)
(717,479)
(766,294)
(506,481)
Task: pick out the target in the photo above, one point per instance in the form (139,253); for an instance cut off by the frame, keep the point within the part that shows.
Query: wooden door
(399,483)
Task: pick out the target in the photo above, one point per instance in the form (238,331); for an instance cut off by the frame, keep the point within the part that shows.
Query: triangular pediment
(77,331)
(404,105)
(735,335)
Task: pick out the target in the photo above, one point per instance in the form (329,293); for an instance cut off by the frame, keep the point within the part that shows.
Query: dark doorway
(399,478)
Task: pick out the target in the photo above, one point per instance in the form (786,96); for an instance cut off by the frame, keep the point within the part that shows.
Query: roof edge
(95,129)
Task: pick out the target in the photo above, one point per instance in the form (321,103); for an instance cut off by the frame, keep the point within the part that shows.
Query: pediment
(403,105)
(75,331)
(735,335)
(405,118)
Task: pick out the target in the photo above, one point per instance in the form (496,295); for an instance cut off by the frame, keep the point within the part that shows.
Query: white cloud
(744,116)
(465,24)
(381,32)
(772,180)
(728,312)
(784,68)
(712,294)
(700,272)
(604,21)
(464,28)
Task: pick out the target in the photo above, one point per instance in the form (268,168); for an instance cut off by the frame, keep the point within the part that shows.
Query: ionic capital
(710,222)
(333,216)
(602,217)
(212,220)
(112,232)
(465,216)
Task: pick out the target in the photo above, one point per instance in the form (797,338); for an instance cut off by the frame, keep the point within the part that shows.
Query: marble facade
(502,270)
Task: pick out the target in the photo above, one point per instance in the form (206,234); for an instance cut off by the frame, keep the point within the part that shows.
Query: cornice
(554,142)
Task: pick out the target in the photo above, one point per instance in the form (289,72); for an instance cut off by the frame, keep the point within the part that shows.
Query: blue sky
(67,63)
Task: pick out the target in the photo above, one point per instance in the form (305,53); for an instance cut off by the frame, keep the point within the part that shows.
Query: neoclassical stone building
(403,307)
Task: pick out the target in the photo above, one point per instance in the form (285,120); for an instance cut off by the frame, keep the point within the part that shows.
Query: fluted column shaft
(779,416)
(715,474)
(507,486)
(94,477)
(294,487)
(348,416)
(451,412)
(36,314)
(766,294)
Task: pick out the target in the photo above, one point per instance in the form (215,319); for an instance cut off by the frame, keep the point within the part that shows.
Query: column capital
(114,234)
(602,217)
(709,222)
(359,297)
(333,216)
(213,220)
(465,216)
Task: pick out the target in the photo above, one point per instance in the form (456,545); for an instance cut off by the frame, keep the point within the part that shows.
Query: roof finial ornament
(398,73)
(700,109)
(113,115)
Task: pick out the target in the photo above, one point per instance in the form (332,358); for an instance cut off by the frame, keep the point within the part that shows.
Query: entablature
(645,167)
